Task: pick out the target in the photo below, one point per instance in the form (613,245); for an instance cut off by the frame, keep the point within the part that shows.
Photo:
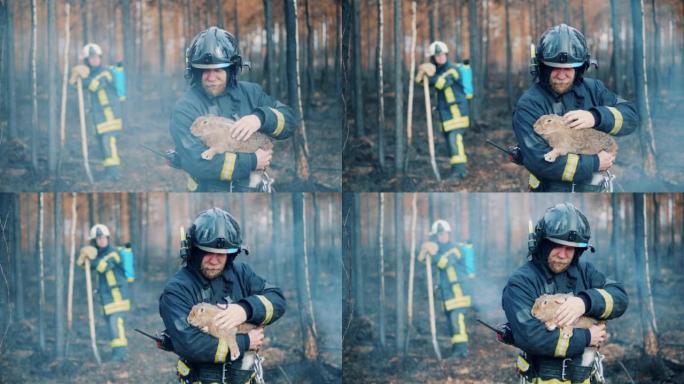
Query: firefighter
(211,274)
(447,259)
(113,288)
(556,244)
(452,102)
(213,62)
(558,65)
(105,107)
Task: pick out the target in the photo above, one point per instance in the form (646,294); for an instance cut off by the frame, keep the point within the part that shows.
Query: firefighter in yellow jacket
(446,258)
(113,286)
(105,105)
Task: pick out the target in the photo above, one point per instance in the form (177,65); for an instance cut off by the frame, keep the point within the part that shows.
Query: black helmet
(563,46)
(562,224)
(213,48)
(216,231)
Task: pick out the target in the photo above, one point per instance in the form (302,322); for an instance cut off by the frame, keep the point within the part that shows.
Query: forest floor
(488,360)
(141,169)
(22,361)
(488,168)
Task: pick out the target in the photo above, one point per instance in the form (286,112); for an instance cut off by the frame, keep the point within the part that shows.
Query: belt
(562,369)
(559,186)
(214,373)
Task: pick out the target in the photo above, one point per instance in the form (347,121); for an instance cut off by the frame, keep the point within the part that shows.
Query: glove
(77,71)
(428,69)
(428,247)
(88,252)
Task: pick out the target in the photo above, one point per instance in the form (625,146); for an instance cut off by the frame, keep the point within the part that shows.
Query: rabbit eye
(544,302)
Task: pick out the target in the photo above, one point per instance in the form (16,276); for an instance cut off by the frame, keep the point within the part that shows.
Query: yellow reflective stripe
(561,345)
(534,182)
(459,300)
(608,298)
(191,184)
(439,84)
(116,294)
(108,126)
(461,336)
(119,342)
(449,95)
(183,368)
(101,266)
(459,158)
(111,161)
(454,73)
(570,167)
(453,251)
(451,274)
(538,380)
(94,85)
(456,121)
(269,309)
(280,119)
(228,166)
(117,306)
(522,364)
(111,279)
(113,255)
(102,98)
(442,262)
(617,116)
(221,351)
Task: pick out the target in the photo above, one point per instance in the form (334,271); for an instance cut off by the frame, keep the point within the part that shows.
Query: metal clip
(608,181)
(223,373)
(565,365)
(258,369)
(598,367)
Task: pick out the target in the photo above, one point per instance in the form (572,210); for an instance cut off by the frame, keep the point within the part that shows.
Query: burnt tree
(380,85)
(58,249)
(398,91)
(357,82)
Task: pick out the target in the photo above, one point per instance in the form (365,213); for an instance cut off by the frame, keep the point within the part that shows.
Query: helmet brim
(562,65)
(218,250)
(211,66)
(568,243)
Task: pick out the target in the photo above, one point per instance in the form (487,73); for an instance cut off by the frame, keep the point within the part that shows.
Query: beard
(560,87)
(211,273)
(214,89)
(559,266)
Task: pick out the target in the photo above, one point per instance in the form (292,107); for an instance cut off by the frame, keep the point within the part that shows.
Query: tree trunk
(72,256)
(15,247)
(615,58)
(358,278)
(412,75)
(35,131)
(11,74)
(648,319)
(399,259)
(381,273)
(474,62)
(398,91)
(270,48)
(309,53)
(132,75)
(380,85)
(41,273)
(134,227)
(219,14)
(52,89)
(509,58)
(169,236)
(485,43)
(655,67)
(59,278)
(294,91)
(357,81)
(641,89)
(412,266)
(306,314)
(615,234)
(431,20)
(236,20)
(348,222)
(84,22)
(160,15)
(275,233)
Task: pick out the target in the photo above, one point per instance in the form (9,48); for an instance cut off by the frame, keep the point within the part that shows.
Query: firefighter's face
(443,237)
(94,60)
(214,81)
(440,58)
(560,258)
(213,264)
(102,241)
(561,79)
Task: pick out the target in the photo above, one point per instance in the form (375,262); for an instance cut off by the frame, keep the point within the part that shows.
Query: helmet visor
(568,243)
(218,250)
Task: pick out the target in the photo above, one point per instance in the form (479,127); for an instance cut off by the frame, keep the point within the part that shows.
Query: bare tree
(381,259)
(399,260)
(270,48)
(41,273)
(509,57)
(72,256)
(219,13)
(309,52)
(641,88)
(398,91)
(11,73)
(18,273)
(84,21)
(34,88)
(412,55)
(59,278)
(381,97)
(357,81)
(474,61)
(160,15)
(615,57)
(169,237)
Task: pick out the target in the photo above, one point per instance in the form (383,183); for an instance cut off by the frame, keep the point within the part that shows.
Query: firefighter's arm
(278,120)
(108,262)
(100,80)
(188,341)
(616,116)
(446,79)
(443,259)
(224,166)
(529,333)
(571,167)
(606,299)
(265,302)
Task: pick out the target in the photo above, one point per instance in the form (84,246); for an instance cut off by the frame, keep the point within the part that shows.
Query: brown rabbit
(564,140)
(202,316)
(545,308)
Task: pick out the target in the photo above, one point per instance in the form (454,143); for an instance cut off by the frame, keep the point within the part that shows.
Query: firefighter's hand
(605,160)
(232,316)
(256,338)
(598,334)
(569,311)
(79,71)
(579,119)
(88,252)
(424,69)
(263,158)
(245,127)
